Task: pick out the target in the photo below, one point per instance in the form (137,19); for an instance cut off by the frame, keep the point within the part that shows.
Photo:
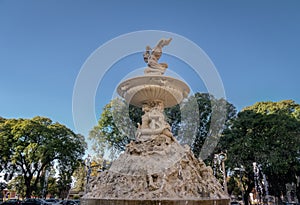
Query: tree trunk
(28,188)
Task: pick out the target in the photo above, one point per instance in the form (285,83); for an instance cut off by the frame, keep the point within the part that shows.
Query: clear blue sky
(43,45)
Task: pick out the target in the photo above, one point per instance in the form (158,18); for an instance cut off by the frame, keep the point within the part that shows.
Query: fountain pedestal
(155,168)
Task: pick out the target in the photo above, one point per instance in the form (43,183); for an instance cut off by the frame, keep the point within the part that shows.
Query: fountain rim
(177,89)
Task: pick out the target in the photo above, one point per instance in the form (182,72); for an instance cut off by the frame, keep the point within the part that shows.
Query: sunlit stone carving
(155,168)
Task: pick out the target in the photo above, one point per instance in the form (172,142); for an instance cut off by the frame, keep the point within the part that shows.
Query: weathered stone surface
(154,202)
(151,57)
(158,168)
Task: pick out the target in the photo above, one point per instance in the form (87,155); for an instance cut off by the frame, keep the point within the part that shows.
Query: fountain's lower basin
(154,202)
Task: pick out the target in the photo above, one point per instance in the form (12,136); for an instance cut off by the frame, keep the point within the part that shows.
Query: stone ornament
(153,121)
(144,89)
(151,57)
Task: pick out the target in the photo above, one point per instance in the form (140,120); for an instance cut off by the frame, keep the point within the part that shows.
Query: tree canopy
(115,127)
(267,133)
(29,147)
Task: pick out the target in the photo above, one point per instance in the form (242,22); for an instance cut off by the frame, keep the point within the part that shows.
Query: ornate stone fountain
(155,168)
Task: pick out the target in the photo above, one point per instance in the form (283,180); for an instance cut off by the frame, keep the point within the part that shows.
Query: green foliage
(30,146)
(267,133)
(233,186)
(80,178)
(214,116)
(52,186)
(17,184)
(107,135)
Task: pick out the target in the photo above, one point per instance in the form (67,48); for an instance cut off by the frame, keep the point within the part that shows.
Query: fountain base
(156,171)
(154,202)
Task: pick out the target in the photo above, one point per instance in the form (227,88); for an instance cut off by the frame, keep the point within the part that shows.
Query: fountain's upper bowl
(140,90)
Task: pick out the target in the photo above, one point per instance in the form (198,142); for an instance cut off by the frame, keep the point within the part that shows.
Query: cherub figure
(151,57)
(153,121)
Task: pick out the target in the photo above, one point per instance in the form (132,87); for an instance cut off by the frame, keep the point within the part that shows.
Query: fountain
(155,168)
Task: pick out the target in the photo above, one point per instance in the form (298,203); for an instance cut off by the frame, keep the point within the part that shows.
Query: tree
(79,178)
(31,146)
(52,188)
(115,128)
(191,123)
(267,133)
(17,184)
(214,116)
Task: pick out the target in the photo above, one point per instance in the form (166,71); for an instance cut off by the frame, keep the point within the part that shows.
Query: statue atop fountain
(155,168)
(151,57)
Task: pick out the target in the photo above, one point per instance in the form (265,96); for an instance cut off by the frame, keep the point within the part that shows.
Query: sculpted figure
(145,118)
(151,57)
(153,121)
